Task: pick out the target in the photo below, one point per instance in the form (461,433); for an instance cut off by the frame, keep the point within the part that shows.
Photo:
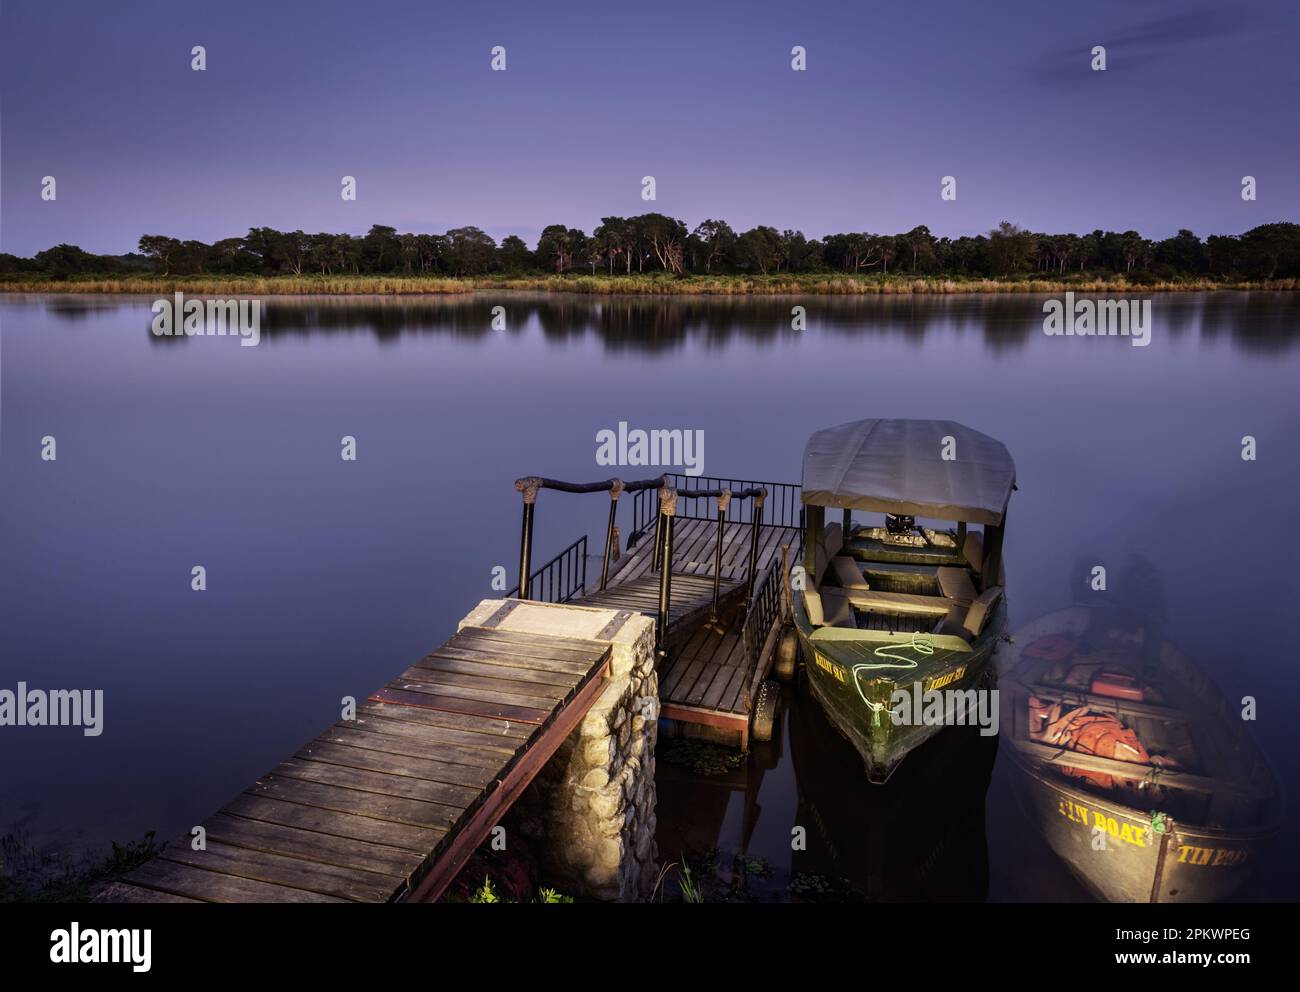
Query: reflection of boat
(1130,761)
(887,608)
(907,840)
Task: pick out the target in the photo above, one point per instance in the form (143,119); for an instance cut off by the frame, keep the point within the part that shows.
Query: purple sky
(699,95)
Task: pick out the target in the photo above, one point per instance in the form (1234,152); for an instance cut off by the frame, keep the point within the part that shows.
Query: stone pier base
(591,811)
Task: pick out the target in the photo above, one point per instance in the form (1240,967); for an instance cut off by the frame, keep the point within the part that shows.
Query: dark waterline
(325,578)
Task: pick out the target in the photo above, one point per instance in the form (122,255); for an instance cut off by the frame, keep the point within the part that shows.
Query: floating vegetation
(752,865)
(701,757)
(809,887)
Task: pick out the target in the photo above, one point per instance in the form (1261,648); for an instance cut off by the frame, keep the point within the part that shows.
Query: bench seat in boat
(828,607)
(904,603)
(849,572)
(956,585)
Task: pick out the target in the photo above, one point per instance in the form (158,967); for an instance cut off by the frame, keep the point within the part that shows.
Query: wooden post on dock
(724,500)
(529,487)
(757,523)
(667,510)
(615,491)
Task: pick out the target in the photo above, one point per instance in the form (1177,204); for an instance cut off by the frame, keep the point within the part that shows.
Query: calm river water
(325,578)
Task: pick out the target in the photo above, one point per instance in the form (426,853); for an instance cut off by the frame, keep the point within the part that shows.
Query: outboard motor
(899,523)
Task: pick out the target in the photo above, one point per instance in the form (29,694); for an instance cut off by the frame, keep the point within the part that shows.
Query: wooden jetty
(388,806)
(719,607)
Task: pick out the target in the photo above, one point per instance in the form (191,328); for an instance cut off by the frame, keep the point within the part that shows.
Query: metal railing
(531,485)
(560,579)
(766,607)
(784,506)
(667,496)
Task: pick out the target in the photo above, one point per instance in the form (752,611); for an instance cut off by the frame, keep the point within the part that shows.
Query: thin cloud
(1140,46)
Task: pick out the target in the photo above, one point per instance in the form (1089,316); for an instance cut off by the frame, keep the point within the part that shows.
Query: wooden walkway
(389,806)
(705,677)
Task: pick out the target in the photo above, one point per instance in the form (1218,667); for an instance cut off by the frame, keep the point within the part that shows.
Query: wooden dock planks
(705,678)
(389,805)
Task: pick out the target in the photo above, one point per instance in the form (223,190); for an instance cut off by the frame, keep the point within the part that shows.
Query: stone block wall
(590,813)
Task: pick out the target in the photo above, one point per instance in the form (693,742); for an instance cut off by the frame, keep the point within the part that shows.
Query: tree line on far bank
(655,243)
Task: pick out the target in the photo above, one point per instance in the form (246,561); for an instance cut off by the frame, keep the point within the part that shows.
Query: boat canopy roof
(897,466)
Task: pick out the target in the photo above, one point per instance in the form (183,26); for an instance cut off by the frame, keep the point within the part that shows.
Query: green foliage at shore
(487,893)
(654,253)
(28,874)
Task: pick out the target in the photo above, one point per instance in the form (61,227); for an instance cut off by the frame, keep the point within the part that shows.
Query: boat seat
(980,610)
(968,621)
(849,572)
(830,545)
(973,551)
(902,603)
(837,611)
(832,538)
(956,585)
(812,602)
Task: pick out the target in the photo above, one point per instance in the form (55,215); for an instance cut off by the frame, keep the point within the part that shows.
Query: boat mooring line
(921,642)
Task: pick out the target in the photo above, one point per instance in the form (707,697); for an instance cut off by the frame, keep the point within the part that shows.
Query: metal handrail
(764,608)
(561,578)
(668,495)
(785,506)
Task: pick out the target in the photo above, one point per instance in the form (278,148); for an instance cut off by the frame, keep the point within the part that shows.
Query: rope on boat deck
(921,643)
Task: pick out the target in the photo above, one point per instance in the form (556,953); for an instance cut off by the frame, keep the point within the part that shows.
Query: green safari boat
(898,616)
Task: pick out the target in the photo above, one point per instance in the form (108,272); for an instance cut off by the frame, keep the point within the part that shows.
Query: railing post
(615,491)
(753,543)
(657,557)
(667,509)
(724,501)
(787,594)
(529,487)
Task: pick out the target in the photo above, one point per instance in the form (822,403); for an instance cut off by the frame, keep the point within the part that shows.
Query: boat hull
(1113,850)
(859,708)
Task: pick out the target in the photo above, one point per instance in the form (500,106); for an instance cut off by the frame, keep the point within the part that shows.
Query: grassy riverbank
(829,284)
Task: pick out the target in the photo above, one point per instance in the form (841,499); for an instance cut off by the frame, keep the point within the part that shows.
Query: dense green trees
(661,244)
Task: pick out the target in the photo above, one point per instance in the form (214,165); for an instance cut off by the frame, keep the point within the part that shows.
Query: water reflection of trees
(1253,321)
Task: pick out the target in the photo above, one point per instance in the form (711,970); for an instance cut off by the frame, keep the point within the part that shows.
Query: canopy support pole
(989,575)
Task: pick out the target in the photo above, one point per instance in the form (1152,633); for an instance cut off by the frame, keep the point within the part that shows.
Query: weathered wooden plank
(212,886)
(553,646)
(278,869)
(344,852)
(415,840)
(122,892)
(459,704)
(728,667)
(497,668)
(542,697)
(488,728)
(392,763)
(380,783)
(521,658)
(343,800)
(365,736)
